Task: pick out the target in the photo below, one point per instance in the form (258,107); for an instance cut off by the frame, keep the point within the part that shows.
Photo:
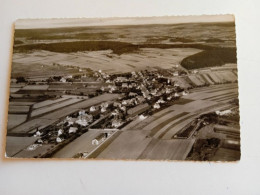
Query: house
(82,112)
(123,108)
(124,85)
(73,129)
(140,74)
(128,101)
(63,80)
(115,112)
(133,73)
(121,79)
(116,123)
(175,74)
(13,80)
(104,105)
(100,138)
(69,76)
(70,120)
(59,140)
(160,101)
(38,133)
(82,122)
(169,98)
(134,85)
(176,95)
(110,91)
(145,92)
(103,109)
(142,117)
(132,94)
(92,109)
(185,93)
(60,132)
(154,92)
(168,90)
(176,85)
(149,97)
(100,79)
(140,99)
(112,87)
(224,112)
(95,142)
(156,106)
(86,117)
(116,104)
(159,93)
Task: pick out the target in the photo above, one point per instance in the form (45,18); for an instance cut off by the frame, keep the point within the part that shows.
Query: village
(142,93)
(137,95)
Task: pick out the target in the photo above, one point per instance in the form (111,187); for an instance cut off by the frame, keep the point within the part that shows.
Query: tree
(21,80)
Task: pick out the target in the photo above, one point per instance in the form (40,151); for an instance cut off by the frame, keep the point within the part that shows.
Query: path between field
(50,118)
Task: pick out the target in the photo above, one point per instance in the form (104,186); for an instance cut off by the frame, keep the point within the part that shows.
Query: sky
(78,22)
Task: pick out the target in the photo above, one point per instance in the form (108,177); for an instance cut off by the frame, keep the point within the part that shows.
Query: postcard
(144,88)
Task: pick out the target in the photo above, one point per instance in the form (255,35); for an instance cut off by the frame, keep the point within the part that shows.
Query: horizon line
(119,21)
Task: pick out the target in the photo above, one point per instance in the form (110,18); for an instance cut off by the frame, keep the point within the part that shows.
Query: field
(18,109)
(165,33)
(128,145)
(21,103)
(154,137)
(134,144)
(168,150)
(16,144)
(49,118)
(16,119)
(178,75)
(39,151)
(104,59)
(46,109)
(195,81)
(36,87)
(79,145)
(30,125)
(124,48)
(224,154)
(48,102)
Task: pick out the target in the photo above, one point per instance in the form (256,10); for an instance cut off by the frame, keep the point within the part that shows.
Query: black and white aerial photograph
(137,88)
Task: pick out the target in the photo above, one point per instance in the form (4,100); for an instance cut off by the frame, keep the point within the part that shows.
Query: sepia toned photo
(144,88)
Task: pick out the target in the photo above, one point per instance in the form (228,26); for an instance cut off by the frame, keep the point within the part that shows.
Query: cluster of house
(147,86)
(65,78)
(224,112)
(72,124)
(142,91)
